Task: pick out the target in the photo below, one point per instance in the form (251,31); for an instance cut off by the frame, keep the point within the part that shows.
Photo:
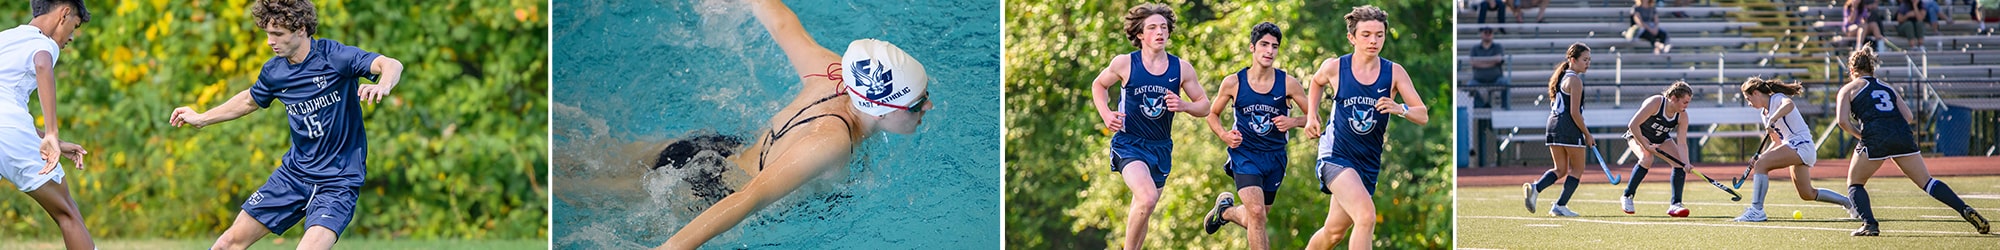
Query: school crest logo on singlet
(875,78)
(1260,116)
(1361,110)
(1152,100)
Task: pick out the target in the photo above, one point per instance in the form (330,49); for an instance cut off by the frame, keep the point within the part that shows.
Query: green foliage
(458,150)
(1061,194)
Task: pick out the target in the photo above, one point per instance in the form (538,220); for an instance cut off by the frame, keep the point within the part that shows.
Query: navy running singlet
(1354,132)
(1143,99)
(1255,110)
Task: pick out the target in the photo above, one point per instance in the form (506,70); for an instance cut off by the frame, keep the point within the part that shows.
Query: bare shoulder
(1120,63)
(1188,70)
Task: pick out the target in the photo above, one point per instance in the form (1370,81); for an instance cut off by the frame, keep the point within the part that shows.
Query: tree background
(1061,194)
(458,151)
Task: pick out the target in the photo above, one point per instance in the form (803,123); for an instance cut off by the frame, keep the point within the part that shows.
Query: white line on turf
(1573,200)
(1742,225)
(1975,196)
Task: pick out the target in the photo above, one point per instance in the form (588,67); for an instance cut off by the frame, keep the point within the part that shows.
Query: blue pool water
(632,76)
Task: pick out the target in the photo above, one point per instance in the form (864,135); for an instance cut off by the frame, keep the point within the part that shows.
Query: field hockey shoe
(1677,210)
(1627,201)
(1528,189)
(1750,214)
(1869,229)
(1214,219)
(1976,220)
(1561,211)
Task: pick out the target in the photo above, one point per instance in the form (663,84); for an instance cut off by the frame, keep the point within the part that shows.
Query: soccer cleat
(1868,230)
(1677,210)
(1528,189)
(1976,220)
(1561,211)
(1214,219)
(1750,214)
(1627,201)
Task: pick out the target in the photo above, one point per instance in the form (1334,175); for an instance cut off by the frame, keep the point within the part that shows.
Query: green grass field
(287,243)
(1492,217)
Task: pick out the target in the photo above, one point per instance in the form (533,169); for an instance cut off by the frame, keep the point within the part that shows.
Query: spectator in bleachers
(1495,6)
(1910,19)
(1986,11)
(1860,23)
(1646,26)
(1487,61)
(1931,15)
(1522,5)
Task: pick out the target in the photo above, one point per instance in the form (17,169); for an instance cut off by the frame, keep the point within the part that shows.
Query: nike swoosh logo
(1176,79)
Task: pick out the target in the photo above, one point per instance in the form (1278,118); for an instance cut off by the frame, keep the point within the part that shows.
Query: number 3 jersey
(1884,132)
(328,143)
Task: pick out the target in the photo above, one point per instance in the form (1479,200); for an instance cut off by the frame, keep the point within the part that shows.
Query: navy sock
(1548,179)
(1569,187)
(1638,174)
(1944,194)
(1679,179)
(1860,196)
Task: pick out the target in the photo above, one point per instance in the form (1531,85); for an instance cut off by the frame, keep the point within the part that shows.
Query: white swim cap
(881,77)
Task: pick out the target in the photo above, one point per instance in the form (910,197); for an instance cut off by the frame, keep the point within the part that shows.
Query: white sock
(1828,196)
(1763,184)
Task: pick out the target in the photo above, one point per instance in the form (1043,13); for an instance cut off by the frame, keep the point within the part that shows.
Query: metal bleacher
(1717,44)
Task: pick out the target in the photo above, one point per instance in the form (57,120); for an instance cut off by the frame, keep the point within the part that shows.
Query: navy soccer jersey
(1884,132)
(328,142)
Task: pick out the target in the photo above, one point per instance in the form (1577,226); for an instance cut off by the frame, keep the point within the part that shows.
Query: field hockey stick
(1690,169)
(1607,168)
(1738,182)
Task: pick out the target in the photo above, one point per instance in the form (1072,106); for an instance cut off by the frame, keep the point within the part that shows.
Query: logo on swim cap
(876,80)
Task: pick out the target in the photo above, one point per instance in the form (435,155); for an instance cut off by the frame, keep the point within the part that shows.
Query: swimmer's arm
(807,56)
(1191,86)
(1222,96)
(784,175)
(229,110)
(1417,112)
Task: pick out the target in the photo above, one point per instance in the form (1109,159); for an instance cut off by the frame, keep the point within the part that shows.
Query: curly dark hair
(297,15)
(1363,14)
(41,7)
(1135,19)
(1266,29)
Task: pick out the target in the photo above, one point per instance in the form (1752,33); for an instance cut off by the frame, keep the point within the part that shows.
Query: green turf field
(288,243)
(1493,217)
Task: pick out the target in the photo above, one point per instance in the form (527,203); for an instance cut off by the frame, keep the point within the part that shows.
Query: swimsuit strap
(794,122)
